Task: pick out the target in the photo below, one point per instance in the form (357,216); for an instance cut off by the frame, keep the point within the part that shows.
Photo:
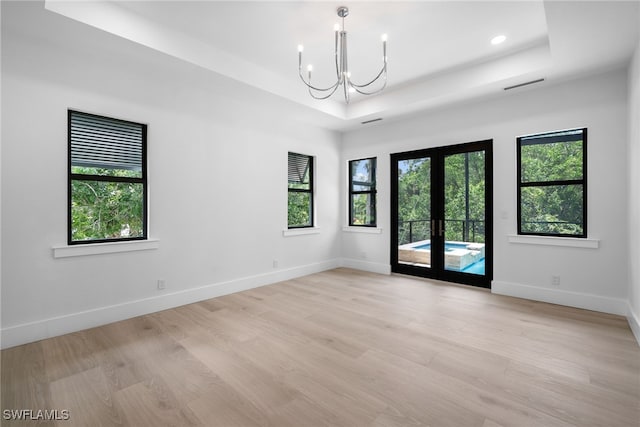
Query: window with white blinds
(107,179)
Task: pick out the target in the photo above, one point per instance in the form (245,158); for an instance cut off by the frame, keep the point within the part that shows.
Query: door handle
(433,228)
(440,227)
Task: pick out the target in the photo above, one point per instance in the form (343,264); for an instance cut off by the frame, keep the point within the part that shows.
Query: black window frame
(372,192)
(549,138)
(85,177)
(310,190)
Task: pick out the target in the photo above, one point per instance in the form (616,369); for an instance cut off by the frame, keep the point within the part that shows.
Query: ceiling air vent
(524,84)
(371,121)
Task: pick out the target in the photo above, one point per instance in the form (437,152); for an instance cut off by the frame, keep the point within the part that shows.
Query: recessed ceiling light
(498,39)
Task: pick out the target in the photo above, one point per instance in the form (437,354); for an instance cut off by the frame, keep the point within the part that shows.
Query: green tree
(105,210)
(414,200)
(464,198)
(556,209)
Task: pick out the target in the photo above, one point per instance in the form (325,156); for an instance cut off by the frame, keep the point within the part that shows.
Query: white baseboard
(610,305)
(372,267)
(634,323)
(47,328)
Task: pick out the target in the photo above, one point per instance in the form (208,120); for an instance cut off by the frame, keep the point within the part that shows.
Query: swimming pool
(459,256)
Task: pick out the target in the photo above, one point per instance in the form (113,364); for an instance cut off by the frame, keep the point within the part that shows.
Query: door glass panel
(464,212)
(414,212)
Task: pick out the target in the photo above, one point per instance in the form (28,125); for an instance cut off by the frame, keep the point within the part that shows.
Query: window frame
(310,191)
(85,177)
(567,182)
(372,192)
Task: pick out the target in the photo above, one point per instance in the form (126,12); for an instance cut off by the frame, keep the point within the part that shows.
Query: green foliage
(414,198)
(105,210)
(362,209)
(552,209)
(299,209)
(363,205)
(551,162)
(299,206)
(124,173)
(464,208)
(414,189)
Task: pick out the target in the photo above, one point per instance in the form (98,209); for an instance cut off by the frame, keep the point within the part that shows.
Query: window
(107,179)
(552,184)
(300,204)
(362,192)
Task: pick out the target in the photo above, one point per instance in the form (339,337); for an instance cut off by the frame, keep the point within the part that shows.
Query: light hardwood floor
(339,348)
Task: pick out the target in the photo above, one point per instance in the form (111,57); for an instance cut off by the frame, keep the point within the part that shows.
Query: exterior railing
(462,230)
(466,230)
(560,227)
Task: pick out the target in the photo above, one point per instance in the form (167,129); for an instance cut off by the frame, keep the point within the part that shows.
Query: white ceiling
(439,51)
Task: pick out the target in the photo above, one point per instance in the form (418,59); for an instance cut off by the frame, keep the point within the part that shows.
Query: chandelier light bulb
(498,39)
(336,27)
(309,67)
(384,37)
(300,48)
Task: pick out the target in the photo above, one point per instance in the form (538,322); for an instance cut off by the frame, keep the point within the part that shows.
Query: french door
(441,213)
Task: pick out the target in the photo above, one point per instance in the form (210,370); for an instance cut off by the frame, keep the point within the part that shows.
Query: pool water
(447,246)
(475,268)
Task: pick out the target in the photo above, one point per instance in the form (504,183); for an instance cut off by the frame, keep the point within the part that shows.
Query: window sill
(104,248)
(572,242)
(290,232)
(367,230)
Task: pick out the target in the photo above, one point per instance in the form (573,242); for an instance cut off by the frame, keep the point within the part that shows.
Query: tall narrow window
(107,179)
(552,183)
(362,192)
(300,205)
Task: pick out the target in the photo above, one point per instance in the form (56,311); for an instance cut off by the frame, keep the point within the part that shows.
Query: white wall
(634,193)
(590,278)
(217,159)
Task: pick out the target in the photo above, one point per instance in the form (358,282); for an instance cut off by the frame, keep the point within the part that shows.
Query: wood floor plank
(339,348)
(152,405)
(224,408)
(25,382)
(88,398)
(260,387)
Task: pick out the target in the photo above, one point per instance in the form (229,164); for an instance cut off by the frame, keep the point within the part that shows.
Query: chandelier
(343,76)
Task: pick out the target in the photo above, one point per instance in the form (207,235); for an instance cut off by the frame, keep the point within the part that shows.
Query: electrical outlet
(161,284)
(555,280)
(275,263)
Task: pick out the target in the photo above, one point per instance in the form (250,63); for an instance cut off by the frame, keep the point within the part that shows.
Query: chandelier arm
(371,93)
(326,96)
(382,71)
(319,89)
